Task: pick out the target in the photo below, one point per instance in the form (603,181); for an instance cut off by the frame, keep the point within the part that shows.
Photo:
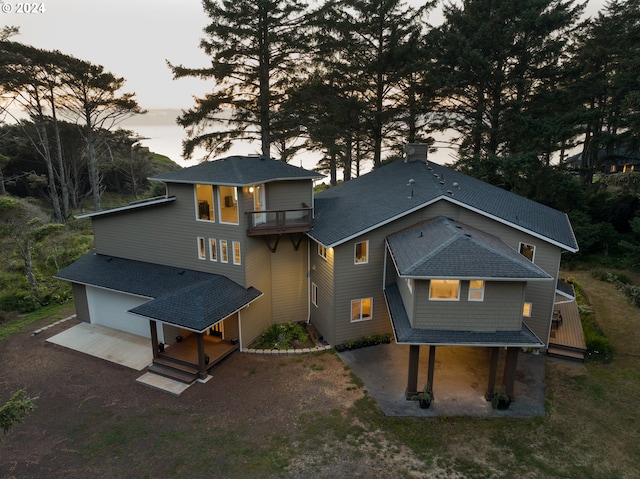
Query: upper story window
(237,257)
(213,250)
(228,201)
(476,290)
(528,251)
(526,310)
(361,255)
(204,203)
(224,253)
(202,248)
(322,251)
(444,290)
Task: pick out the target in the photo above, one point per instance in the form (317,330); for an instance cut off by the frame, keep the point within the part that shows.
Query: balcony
(270,222)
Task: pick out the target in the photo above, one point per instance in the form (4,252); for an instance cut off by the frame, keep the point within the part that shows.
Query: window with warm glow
(362,252)
(202,248)
(528,251)
(322,251)
(361,309)
(228,201)
(213,250)
(236,253)
(224,254)
(476,290)
(526,310)
(444,289)
(204,203)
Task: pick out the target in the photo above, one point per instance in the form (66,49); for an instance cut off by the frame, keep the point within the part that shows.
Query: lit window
(476,290)
(224,254)
(361,252)
(202,248)
(526,310)
(213,250)
(528,251)
(236,252)
(228,201)
(322,251)
(314,294)
(444,289)
(361,309)
(204,203)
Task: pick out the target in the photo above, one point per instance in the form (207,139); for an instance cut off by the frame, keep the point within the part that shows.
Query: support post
(412,377)
(510,366)
(432,363)
(493,370)
(202,367)
(154,338)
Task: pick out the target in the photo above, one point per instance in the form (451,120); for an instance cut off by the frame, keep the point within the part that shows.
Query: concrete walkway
(460,381)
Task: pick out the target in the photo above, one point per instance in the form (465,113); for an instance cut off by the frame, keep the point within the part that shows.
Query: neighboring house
(617,160)
(414,248)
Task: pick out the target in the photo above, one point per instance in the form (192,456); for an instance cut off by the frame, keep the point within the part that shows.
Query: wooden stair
(566,352)
(172,369)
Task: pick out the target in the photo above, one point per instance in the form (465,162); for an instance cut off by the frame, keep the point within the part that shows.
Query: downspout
(240,331)
(308,281)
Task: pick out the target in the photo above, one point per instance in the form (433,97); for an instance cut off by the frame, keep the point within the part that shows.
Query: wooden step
(176,364)
(573,354)
(173,373)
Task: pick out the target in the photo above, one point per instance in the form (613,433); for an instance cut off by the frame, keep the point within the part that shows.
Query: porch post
(493,370)
(154,338)
(412,378)
(510,365)
(432,363)
(202,367)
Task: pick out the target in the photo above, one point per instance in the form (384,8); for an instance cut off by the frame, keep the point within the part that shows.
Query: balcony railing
(267,222)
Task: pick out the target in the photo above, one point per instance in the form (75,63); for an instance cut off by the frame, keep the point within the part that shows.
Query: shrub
(365,341)
(282,336)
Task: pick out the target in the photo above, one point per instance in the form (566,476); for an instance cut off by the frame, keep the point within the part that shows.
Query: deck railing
(268,222)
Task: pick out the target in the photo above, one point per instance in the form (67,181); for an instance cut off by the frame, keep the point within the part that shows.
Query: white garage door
(109,308)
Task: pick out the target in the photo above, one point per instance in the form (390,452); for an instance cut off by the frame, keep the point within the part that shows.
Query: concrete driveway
(460,381)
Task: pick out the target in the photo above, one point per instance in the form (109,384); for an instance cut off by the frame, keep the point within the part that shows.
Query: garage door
(109,308)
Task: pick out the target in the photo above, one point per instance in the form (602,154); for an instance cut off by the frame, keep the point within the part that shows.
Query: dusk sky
(131,39)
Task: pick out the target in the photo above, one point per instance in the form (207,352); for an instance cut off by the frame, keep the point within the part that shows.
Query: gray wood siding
(258,316)
(231,330)
(170,333)
(322,274)
(501,309)
(167,234)
(283,195)
(289,282)
(81,303)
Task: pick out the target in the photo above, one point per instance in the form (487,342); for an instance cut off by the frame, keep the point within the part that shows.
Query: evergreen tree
(256,47)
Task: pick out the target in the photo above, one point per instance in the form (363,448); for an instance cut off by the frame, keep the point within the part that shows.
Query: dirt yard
(259,416)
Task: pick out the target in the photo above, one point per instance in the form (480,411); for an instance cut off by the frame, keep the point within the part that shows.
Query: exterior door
(259,204)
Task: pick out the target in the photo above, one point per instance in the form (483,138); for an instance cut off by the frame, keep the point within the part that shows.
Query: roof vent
(467,235)
(450,192)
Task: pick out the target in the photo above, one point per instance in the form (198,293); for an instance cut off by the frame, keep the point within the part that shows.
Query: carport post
(432,363)
(154,337)
(412,378)
(510,365)
(491,387)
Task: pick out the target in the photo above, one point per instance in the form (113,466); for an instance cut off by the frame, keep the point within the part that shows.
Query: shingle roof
(238,171)
(394,190)
(191,299)
(444,248)
(405,334)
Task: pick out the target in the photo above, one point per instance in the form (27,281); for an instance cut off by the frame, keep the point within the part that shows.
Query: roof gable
(238,171)
(397,189)
(443,248)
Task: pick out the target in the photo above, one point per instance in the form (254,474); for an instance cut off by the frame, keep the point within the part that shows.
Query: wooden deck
(567,337)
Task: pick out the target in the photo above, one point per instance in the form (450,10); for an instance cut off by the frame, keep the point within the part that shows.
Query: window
(213,250)
(314,294)
(526,310)
(228,201)
(322,251)
(204,203)
(224,254)
(202,248)
(444,289)
(361,252)
(361,309)
(236,253)
(476,290)
(528,251)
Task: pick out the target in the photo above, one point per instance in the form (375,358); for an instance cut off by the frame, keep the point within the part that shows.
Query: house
(610,161)
(414,248)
